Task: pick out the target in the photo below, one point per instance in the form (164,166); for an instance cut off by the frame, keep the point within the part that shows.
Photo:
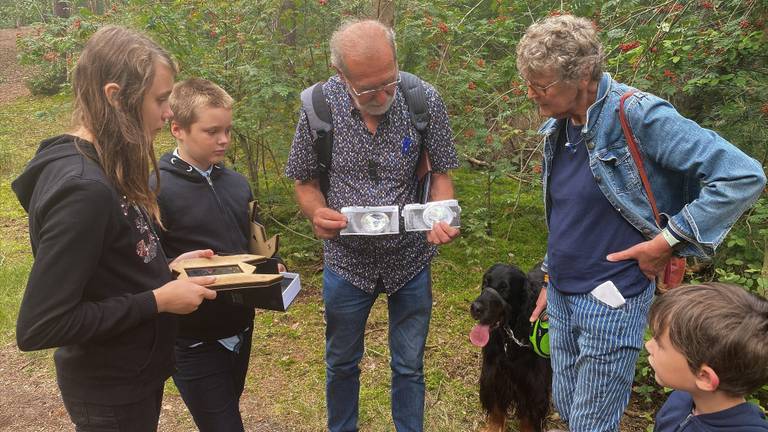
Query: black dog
(513,375)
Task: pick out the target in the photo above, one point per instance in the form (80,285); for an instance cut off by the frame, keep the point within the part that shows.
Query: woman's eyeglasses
(537,88)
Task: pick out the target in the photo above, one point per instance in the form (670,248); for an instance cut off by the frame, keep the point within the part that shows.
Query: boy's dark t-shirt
(677,416)
(202,215)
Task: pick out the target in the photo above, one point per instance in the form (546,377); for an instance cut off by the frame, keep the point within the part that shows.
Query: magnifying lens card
(421,217)
(379,220)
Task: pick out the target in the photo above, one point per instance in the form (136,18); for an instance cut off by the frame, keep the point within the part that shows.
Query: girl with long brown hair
(100,288)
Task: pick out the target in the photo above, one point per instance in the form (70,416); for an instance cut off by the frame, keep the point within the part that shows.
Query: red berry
(629,46)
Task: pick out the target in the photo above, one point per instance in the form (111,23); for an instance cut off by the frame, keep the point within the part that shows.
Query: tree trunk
(61,8)
(384,11)
(286,27)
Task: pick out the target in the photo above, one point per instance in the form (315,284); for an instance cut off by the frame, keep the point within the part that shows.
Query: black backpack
(321,125)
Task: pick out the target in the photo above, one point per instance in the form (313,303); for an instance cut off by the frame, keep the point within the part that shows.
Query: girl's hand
(184,296)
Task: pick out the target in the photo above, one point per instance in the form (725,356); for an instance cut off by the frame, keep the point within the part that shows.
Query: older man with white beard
(375,154)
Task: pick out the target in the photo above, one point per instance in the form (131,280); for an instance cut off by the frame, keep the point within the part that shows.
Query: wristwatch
(671,239)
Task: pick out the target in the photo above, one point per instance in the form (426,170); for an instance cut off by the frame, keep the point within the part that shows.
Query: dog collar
(511,336)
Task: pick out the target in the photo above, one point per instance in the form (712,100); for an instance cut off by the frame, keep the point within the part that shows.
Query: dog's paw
(495,425)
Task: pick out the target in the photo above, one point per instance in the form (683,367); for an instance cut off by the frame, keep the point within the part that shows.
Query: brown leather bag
(675,269)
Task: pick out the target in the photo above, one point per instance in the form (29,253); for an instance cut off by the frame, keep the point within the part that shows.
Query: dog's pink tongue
(479,335)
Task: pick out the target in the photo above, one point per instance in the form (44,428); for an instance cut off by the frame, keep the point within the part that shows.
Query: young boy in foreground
(710,345)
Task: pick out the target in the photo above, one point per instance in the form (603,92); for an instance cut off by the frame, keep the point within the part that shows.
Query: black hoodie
(89,291)
(202,215)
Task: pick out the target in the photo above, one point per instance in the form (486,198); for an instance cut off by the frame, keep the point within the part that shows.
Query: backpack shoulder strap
(416,99)
(317,109)
(321,125)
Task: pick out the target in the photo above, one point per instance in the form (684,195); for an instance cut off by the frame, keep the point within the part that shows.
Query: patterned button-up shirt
(362,260)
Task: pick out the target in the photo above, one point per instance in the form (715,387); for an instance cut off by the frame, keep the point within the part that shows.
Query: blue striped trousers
(594,349)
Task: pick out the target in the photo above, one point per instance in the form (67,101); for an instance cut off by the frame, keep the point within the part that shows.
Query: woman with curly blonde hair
(605,247)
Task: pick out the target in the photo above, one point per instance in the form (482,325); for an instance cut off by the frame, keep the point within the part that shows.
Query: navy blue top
(584,227)
(677,416)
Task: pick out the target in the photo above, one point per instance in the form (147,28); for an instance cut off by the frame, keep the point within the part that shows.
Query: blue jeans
(346,312)
(594,349)
(211,379)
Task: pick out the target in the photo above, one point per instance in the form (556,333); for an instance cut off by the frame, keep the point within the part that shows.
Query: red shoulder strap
(632,144)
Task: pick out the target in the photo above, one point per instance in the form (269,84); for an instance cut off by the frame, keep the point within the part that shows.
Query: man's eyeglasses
(537,88)
(385,88)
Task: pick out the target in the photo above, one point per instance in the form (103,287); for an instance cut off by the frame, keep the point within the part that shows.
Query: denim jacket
(701,182)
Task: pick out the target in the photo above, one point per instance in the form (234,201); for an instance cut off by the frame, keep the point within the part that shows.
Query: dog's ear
(516,292)
(488,276)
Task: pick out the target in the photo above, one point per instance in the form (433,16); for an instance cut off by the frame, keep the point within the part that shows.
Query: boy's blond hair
(190,95)
(720,325)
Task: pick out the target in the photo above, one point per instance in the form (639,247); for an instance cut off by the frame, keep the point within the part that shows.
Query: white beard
(373,108)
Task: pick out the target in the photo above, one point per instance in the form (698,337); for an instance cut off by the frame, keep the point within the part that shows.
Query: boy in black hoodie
(710,344)
(204,204)
(100,287)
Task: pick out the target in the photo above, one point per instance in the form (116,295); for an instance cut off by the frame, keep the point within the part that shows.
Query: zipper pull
(208,179)
(684,423)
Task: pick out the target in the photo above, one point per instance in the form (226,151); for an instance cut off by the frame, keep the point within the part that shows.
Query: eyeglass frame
(537,88)
(385,87)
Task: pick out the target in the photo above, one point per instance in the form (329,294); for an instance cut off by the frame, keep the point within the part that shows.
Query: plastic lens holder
(380,220)
(421,217)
